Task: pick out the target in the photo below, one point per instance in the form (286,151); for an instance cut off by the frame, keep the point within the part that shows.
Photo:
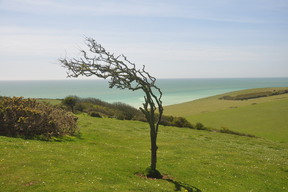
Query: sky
(172,38)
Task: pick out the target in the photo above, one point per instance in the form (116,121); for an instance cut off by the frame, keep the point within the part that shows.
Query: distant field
(110,152)
(265,117)
(51,101)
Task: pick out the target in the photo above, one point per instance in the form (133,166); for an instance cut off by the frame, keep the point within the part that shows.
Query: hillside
(265,117)
(110,151)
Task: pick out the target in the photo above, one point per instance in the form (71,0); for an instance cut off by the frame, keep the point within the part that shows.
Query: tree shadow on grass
(181,185)
(178,185)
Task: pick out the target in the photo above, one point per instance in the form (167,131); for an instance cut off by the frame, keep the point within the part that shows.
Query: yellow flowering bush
(29,118)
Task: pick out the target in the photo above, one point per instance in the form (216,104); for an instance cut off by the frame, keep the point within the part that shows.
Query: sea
(174,90)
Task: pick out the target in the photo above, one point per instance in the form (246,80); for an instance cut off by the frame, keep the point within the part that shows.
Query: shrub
(116,110)
(125,111)
(94,114)
(94,101)
(200,126)
(181,122)
(175,121)
(108,112)
(167,120)
(28,118)
(79,107)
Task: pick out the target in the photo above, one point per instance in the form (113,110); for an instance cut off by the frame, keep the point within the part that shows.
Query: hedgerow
(29,118)
(98,108)
(94,106)
(254,95)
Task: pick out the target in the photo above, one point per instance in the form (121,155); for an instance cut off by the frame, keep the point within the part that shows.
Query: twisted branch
(122,74)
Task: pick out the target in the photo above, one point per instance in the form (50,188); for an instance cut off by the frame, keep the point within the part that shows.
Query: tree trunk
(154,147)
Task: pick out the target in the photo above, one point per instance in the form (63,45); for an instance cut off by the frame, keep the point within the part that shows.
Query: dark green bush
(125,111)
(122,111)
(92,106)
(181,122)
(94,101)
(94,114)
(200,126)
(28,118)
(80,107)
(175,121)
(167,120)
(108,112)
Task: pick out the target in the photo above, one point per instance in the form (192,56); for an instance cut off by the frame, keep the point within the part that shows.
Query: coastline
(175,91)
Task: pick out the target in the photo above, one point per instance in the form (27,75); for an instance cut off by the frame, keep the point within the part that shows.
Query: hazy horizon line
(172,78)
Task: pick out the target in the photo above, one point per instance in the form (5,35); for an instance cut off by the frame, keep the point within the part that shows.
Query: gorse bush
(29,118)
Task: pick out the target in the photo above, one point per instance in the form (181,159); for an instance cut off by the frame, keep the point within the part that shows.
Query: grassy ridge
(51,101)
(111,151)
(265,117)
(212,104)
(268,120)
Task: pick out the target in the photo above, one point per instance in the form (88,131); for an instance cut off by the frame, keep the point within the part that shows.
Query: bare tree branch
(122,74)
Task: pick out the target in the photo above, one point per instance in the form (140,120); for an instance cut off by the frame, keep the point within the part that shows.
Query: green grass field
(51,101)
(265,117)
(110,151)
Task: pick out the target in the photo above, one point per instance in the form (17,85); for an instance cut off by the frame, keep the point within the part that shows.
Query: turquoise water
(174,90)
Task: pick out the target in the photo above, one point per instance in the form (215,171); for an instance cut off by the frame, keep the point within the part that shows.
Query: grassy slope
(265,117)
(110,151)
(51,101)
(268,120)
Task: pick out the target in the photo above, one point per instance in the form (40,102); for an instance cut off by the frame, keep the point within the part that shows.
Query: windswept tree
(70,101)
(122,74)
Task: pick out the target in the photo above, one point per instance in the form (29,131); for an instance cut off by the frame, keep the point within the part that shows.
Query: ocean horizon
(175,91)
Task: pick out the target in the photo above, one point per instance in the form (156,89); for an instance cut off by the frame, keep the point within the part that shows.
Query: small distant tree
(70,101)
(123,74)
